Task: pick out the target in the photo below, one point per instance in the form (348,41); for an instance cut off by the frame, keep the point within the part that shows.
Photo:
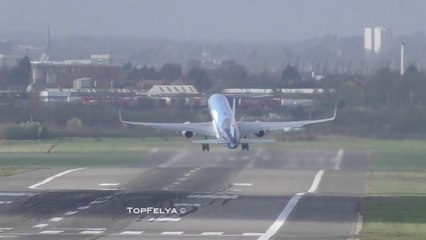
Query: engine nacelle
(188,134)
(261,133)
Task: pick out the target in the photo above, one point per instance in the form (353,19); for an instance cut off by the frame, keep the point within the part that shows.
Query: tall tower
(402,59)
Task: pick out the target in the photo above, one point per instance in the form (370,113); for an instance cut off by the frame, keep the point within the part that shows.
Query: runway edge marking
(35,186)
(285,213)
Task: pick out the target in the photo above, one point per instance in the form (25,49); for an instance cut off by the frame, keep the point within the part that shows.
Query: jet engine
(261,133)
(188,134)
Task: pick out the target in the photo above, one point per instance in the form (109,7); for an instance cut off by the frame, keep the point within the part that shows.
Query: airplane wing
(203,128)
(253,127)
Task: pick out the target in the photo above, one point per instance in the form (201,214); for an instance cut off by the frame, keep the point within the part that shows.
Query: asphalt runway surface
(266,193)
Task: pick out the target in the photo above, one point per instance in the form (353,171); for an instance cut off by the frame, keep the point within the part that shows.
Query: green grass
(10,171)
(79,152)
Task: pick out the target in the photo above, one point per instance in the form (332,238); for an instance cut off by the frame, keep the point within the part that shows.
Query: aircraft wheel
(205,147)
(245,146)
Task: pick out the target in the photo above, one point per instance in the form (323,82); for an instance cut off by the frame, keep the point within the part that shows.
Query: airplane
(225,128)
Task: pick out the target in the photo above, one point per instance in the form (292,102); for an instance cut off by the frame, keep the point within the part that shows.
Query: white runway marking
(316,182)
(282,218)
(41,225)
(56,219)
(131,232)
(217,196)
(35,186)
(252,234)
(212,233)
(51,232)
(172,233)
(82,229)
(70,213)
(176,158)
(182,179)
(187,204)
(83,208)
(6,229)
(5,202)
(243,184)
(154,150)
(359,224)
(109,184)
(17,194)
(187,174)
(91,232)
(339,157)
(164,219)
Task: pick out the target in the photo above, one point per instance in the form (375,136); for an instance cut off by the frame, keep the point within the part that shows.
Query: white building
(377,39)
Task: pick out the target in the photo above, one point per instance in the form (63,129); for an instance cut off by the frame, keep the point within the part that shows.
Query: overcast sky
(211,19)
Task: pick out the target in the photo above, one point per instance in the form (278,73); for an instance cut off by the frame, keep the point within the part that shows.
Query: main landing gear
(244,146)
(205,147)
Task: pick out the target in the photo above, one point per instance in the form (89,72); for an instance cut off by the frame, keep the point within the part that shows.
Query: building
(89,96)
(377,39)
(173,95)
(63,73)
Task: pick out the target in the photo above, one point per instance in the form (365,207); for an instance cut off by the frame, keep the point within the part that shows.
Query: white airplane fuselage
(224,121)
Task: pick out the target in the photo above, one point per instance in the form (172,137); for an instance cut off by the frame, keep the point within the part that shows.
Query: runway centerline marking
(56,219)
(131,232)
(172,233)
(285,213)
(35,186)
(83,207)
(212,233)
(70,213)
(91,232)
(51,232)
(41,225)
(339,157)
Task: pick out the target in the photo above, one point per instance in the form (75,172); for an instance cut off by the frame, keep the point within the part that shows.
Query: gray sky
(211,19)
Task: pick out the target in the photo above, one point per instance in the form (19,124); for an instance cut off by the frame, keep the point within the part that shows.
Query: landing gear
(205,147)
(244,146)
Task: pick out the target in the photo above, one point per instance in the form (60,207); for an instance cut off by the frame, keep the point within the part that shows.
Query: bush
(25,131)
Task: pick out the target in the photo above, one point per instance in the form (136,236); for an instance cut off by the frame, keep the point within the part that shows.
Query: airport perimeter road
(267,193)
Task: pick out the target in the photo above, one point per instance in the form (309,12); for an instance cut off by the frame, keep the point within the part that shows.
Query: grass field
(78,152)
(394,206)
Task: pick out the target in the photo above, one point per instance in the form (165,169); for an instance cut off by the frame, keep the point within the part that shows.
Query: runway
(266,193)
